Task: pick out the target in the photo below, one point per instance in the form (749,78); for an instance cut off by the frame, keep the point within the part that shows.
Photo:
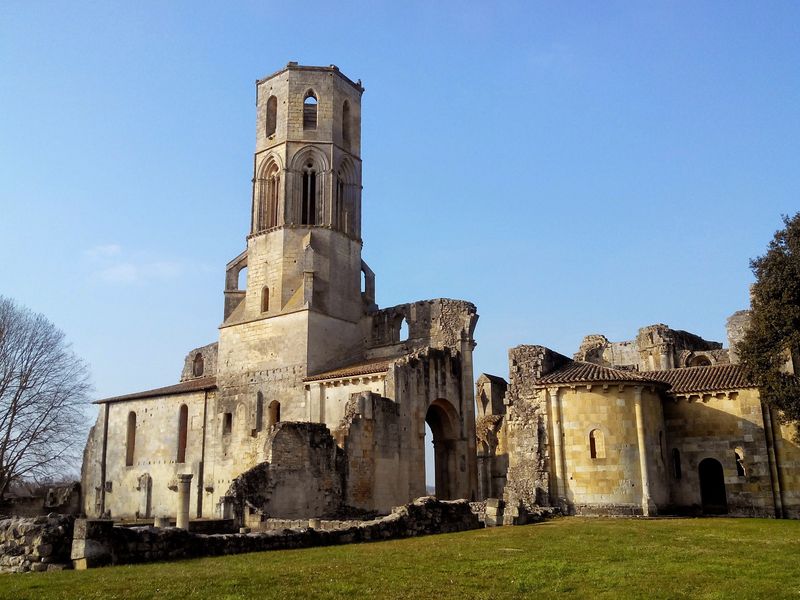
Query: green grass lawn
(573,557)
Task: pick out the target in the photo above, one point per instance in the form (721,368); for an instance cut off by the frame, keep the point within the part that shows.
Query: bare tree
(44,388)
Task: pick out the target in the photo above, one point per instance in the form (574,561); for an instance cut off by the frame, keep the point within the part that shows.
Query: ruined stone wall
(35,544)
(735,327)
(370,435)
(524,437)
(99,543)
(656,347)
(439,323)
(208,353)
(302,477)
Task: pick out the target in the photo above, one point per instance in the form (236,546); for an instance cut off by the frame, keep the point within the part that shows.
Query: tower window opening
(739,456)
(197,365)
(183,426)
(309,200)
(268,192)
(227,423)
(310,111)
(272,115)
(346,124)
(274,415)
(130,442)
(597,446)
(259,413)
(339,221)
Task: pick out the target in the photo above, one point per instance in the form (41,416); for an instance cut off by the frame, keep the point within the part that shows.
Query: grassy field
(572,557)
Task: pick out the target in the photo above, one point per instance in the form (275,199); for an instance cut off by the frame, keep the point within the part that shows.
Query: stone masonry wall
(99,543)
(37,544)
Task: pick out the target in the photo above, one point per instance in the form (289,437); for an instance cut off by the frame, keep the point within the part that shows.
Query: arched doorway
(442,419)
(712,487)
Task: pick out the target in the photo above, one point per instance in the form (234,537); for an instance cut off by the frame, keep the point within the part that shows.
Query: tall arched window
(274,413)
(259,413)
(269,185)
(183,426)
(308,211)
(676,463)
(197,365)
(597,446)
(130,443)
(346,124)
(310,110)
(265,299)
(272,115)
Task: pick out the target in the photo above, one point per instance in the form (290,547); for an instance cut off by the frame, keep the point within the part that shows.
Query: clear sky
(569,167)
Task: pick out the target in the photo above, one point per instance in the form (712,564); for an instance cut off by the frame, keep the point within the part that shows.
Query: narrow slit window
(130,445)
(346,124)
(310,111)
(676,463)
(183,426)
(272,115)
(227,423)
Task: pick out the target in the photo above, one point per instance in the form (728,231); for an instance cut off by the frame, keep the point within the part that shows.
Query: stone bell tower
(302,309)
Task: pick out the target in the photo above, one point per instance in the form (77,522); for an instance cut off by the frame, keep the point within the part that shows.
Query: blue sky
(570,167)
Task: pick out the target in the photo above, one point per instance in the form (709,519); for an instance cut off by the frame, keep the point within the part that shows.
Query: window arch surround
(343,215)
(597,444)
(310,102)
(310,169)
(268,194)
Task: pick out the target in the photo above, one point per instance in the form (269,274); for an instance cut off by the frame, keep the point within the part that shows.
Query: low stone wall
(35,544)
(99,543)
(318,524)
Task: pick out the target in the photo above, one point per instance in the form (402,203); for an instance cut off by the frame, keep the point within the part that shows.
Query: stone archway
(712,487)
(442,418)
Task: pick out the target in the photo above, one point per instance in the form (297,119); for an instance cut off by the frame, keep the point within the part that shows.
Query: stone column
(558,449)
(184,487)
(648,507)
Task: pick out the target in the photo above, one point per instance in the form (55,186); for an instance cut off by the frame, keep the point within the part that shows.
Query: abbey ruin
(312,405)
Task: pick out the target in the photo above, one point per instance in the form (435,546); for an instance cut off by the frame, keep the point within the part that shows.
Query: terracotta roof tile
(380,365)
(184,387)
(584,372)
(702,379)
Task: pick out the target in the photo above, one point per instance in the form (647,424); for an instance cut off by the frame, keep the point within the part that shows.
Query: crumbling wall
(99,543)
(656,347)
(369,434)
(440,323)
(63,499)
(303,476)
(735,327)
(526,428)
(35,544)
(208,358)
